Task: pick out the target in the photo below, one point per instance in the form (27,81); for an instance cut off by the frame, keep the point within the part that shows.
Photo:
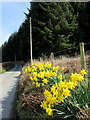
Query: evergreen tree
(9,49)
(54,25)
(83,19)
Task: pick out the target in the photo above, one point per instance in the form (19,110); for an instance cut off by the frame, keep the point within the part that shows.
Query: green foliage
(75,106)
(3,71)
(56,26)
(10,48)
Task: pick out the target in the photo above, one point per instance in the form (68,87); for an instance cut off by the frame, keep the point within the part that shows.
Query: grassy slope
(71,65)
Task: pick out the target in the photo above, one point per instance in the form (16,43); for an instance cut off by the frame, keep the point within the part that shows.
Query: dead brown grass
(72,64)
(32,97)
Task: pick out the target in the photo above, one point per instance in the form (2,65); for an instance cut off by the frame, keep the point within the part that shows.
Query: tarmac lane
(8,85)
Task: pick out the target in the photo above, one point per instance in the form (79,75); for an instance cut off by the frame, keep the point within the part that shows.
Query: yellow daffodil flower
(63,68)
(83,72)
(45,81)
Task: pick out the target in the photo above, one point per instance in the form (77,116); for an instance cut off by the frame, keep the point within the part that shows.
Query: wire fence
(72,62)
(69,51)
(72,51)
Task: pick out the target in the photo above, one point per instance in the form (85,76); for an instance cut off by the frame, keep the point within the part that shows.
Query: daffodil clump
(59,88)
(43,74)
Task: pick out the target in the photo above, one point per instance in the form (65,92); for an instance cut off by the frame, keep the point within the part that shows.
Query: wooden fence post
(82,54)
(83,61)
(41,59)
(52,58)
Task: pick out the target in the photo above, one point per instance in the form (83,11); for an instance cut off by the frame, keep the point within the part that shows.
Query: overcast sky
(11,17)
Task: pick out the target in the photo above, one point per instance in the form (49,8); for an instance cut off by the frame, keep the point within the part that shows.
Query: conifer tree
(54,25)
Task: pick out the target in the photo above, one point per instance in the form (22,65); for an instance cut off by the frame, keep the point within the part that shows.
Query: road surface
(8,85)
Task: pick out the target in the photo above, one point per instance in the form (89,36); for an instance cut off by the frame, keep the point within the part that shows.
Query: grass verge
(3,71)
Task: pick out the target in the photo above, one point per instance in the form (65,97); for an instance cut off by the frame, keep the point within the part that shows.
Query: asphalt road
(8,85)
